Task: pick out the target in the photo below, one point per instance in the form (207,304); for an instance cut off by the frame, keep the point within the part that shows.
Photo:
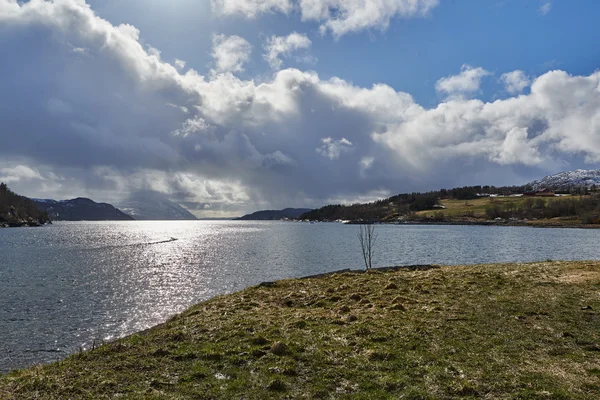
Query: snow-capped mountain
(569,179)
(155,207)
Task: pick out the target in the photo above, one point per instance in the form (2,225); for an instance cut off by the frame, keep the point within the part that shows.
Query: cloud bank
(114,117)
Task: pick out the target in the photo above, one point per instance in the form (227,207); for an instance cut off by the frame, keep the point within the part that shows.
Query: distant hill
(568,180)
(270,215)
(17,210)
(151,206)
(434,206)
(80,209)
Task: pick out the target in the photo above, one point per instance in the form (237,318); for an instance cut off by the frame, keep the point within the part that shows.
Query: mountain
(80,209)
(289,213)
(17,210)
(150,206)
(567,180)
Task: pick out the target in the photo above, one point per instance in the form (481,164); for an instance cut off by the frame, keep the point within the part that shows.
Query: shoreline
(501,224)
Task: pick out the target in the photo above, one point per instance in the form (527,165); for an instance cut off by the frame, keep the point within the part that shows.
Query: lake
(64,286)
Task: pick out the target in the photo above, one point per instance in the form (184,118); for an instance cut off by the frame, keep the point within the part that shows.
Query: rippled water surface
(66,285)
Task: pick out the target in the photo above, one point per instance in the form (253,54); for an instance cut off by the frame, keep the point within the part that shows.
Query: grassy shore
(528,331)
(474,212)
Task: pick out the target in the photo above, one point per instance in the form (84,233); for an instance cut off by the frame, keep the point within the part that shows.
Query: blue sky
(228,106)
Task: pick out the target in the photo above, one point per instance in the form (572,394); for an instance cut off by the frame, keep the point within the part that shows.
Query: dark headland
(16,211)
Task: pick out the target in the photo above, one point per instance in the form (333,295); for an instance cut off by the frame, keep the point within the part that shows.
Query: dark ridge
(81,209)
(274,215)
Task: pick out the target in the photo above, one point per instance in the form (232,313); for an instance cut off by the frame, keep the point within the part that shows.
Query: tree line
(15,208)
(403,204)
(587,208)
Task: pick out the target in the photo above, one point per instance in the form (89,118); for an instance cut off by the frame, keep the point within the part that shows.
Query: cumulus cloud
(333,149)
(120,119)
(339,17)
(465,83)
(251,8)
(344,16)
(180,63)
(230,53)
(515,81)
(19,173)
(277,46)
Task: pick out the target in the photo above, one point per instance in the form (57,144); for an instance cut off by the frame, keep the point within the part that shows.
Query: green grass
(514,331)
(476,206)
(475,211)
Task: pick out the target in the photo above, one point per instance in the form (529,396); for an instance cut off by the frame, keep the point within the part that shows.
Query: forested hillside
(17,210)
(402,204)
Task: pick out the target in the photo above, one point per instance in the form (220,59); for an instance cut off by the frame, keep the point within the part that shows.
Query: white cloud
(345,16)
(333,149)
(230,53)
(180,63)
(339,17)
(251,8)
(242,142)
(516,149)
(545,8)
(559,119)
(277,46)
(515,81)
(19,173)
(192,126)
(465,83)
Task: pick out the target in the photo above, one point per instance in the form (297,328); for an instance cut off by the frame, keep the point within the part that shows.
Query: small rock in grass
(279,349)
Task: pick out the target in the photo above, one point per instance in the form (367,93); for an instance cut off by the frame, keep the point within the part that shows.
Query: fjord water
(64,286)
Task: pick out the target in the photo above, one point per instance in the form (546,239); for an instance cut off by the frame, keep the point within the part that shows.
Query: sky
(230,106)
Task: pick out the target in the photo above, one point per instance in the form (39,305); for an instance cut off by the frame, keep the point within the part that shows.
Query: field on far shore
(502,331)
(475,210)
